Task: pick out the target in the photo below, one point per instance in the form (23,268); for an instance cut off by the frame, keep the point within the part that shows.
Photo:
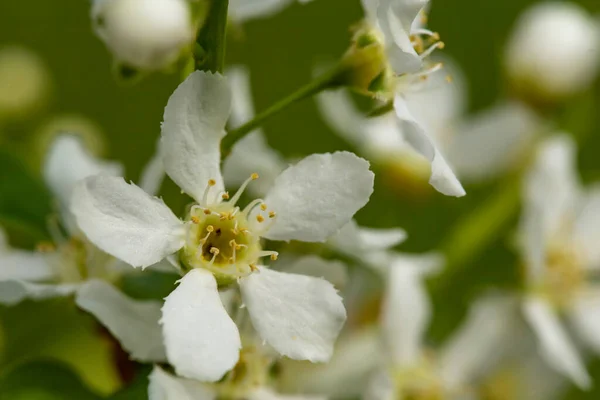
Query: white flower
(245,10)
(554,50)
(76,266)
(219,242)
(559,235)
(144,34)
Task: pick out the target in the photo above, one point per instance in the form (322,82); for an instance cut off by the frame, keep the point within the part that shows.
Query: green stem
(210,41)
(329,80)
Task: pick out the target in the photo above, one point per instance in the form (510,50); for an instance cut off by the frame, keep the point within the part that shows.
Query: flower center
(224,239)
(419,383)
(564,273)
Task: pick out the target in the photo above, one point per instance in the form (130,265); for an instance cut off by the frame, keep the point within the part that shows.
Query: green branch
(209,53)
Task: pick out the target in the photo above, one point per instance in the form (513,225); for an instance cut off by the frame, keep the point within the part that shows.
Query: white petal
(164,386)
(493,141)
(194,124)
(442,178)
(133,323)
(359,242)
(584,314)
(331,270)
(480,342)
(555,346)
(263,393)
(242,105)
(15,291)
(316,197)
(406,313)
(202,341)
(125,221)
(299,316)
(249,155)
(26,265)
(244,10)
(380,387)
(153,173)
(68,162)
(587,228)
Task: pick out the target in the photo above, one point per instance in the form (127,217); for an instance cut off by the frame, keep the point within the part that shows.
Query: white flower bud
(146,34)
(554,51)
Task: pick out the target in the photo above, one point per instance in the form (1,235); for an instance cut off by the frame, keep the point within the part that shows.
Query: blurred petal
(555,346)
(405,314)
(380,387)
(244,10)
(263,393)
(299,316)
(249,155)
(26,265)
(587,228)
(201,339)
(68,162)
(153,173)
(493,141)
(14,291)
(194,124)
(316,197)
(478,345)
(242,105)
(442,178)
(331,270)
(133,323)
(584,314)
(164,386)
(126,222)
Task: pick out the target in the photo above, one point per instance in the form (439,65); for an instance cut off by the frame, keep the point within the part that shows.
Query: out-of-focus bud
(144,34)
(24,82)
(554,52)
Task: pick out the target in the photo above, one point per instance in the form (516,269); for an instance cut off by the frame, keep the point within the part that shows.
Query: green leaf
(149,285)
(138,388)
(43,380)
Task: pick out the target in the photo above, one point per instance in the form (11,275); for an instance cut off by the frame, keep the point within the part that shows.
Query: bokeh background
(281,53)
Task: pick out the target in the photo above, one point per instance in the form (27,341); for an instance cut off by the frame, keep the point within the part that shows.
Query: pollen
(260,218)
(272,214)
(212,182)
(195,219)
(254,176)
(225,196)
(263,207)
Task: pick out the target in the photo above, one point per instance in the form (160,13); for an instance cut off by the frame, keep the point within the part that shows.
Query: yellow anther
(274,256)
(206,211)
(210,228)
(214,250)
(231,216)
(441,45)
(254,176)
(435,36)
(260,218)
(212,182)
(263,207)
(232,243)
(253,267)
(223,216)
(195,219)
(423,78)
(272,214)
(225,196)
(449,79)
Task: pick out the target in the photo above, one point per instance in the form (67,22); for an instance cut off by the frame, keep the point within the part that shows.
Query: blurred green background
(281,53)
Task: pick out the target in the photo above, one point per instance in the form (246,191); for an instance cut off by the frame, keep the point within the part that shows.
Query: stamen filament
(238,194)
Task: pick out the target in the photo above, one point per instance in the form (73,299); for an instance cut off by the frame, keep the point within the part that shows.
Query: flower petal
(584,314)
(263,393)
(319,195)
(133,323)
(244,10)
(26,265)
(478,344)
(299,316)
(68,162)
(406,313)
(442,178)
(555,346)
(164,386)
(587,228)
(15,291)
(201,339)
(153,174)
(331,270)
(125,221)
(381,386)
(194,124)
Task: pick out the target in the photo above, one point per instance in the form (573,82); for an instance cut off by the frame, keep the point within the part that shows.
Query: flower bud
(553,52)
(144,34)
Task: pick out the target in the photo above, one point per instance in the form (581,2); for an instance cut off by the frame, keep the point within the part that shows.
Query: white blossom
(220,243)
(558,239)
(245,10)
(554,50)
(144,34)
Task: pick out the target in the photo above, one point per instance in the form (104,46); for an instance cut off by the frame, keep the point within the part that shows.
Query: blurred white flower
(245,10)
(219,243)
(554,50)
(74,266)
(559,237)
(143,34)
(25,82)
